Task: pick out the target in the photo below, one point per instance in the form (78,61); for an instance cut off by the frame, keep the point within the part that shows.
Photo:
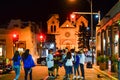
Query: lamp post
(92,30)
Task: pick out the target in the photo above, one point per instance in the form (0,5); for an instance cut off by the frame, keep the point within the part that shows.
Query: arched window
(54,28)
(51,28)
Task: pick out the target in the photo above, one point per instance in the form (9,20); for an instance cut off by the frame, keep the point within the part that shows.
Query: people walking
(76,65)
(50,63)
(28,63)
(16,64)
(82,61)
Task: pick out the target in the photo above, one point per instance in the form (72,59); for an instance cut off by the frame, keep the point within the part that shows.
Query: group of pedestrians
(72,61)
(28,63)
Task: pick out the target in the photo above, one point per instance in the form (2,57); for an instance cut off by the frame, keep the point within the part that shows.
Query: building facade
(27,32)
(66,34)
(108,34)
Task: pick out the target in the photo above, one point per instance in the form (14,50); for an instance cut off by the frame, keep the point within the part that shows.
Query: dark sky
(40,10)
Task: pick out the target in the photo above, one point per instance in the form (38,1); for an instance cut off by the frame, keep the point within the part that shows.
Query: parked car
(4,66)
(42,61)
(44,53)
(89,54)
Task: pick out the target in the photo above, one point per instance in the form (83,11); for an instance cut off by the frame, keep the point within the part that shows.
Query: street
(40,73)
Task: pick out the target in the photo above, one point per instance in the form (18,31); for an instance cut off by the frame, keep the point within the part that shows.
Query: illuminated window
(67,25)
(0,51)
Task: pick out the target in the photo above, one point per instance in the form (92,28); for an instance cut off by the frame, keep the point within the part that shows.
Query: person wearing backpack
(69,64)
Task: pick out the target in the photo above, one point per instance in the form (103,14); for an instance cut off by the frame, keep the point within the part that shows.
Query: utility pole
(92,30)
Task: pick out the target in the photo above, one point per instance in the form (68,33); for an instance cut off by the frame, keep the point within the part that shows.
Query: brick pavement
(40,73)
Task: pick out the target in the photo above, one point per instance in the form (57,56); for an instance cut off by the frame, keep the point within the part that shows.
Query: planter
(114,67)
(102,66)
(102,61)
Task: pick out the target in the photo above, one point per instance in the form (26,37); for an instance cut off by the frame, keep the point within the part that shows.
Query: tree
(84,36)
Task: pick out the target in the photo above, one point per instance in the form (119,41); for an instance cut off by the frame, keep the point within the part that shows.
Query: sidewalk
(113,76)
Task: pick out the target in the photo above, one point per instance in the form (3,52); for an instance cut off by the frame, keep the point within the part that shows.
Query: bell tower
(53,24)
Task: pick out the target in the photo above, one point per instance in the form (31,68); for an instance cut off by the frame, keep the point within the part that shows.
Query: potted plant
(114,63)
(102,61)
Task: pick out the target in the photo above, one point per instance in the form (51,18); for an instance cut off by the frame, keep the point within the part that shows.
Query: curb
(113,78)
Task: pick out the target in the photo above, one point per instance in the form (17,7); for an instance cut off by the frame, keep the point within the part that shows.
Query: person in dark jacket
(28,63)
(16,64)
(57,57)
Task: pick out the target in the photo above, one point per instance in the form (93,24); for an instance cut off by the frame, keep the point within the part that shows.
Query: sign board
(21,44)
(92,43)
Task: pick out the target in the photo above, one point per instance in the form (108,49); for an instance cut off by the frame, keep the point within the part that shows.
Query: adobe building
(108,33)
(66,34)
(27,38)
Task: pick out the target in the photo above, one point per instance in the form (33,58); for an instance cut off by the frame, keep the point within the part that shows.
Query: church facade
(66,34)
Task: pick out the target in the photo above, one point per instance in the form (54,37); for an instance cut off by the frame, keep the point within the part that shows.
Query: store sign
(21,44)
(92,43)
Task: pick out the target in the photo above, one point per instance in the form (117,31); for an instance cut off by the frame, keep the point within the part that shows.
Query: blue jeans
(69,70)
(28,71)
(76,68)
(82,69)
(65,69)
(17,71)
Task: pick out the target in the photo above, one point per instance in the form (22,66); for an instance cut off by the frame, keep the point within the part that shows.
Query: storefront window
(104,44)
(0,51)
(116,43)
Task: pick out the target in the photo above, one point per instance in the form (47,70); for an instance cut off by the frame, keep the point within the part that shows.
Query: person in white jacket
(82,61)
(50,63)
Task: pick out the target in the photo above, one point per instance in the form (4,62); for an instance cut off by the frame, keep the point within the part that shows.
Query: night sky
(40,10)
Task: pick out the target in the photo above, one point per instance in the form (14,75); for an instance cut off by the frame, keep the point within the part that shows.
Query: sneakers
(68,78)
(64,78)
(78,77)
(74,77)
(82,78)
(52,77)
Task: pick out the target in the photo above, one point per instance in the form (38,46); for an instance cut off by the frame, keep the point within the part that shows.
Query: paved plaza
(40,73)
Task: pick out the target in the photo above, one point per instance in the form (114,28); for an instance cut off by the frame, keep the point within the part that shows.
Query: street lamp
(92,30)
